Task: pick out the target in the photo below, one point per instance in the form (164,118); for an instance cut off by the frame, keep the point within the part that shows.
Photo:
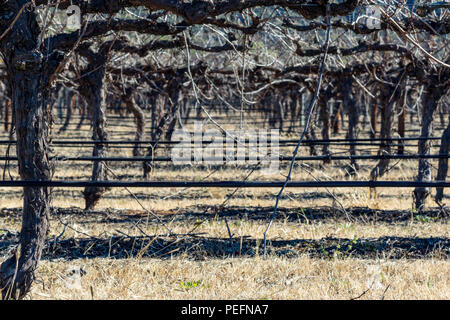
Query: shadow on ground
(200,247)
(253,213)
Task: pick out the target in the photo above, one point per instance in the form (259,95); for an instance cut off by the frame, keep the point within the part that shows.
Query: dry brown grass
(243,278)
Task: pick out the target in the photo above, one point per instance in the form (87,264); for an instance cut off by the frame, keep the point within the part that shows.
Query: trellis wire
(224,184)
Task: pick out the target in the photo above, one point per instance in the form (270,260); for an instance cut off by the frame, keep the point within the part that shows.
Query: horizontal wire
(224,184)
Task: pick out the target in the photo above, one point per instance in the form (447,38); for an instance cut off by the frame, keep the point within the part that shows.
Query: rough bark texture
(299,103)
(69,99)
(387,111)
(58,97)
(28,77)
(324,117)
(401,107)
(443,163)
(139,118)
(293,104)
(335,122)
(441,115)
(82,106)
(429,106)
(280,113)
(92,90)
(185,110)
(32,152)
(311,134)
(373,119)
(353,118)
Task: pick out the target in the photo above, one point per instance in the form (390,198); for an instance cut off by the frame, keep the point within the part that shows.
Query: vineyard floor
(336,243)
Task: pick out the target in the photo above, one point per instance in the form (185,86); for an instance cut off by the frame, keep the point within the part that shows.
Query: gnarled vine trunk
(93,92)
(430,103)
(30,105)
(401,107)
(139,118)
(388,97)
(29,81)
(443,162)
(335,119)
(69,99)
(324,116)
(311,135)
(353,118)
(373,119)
